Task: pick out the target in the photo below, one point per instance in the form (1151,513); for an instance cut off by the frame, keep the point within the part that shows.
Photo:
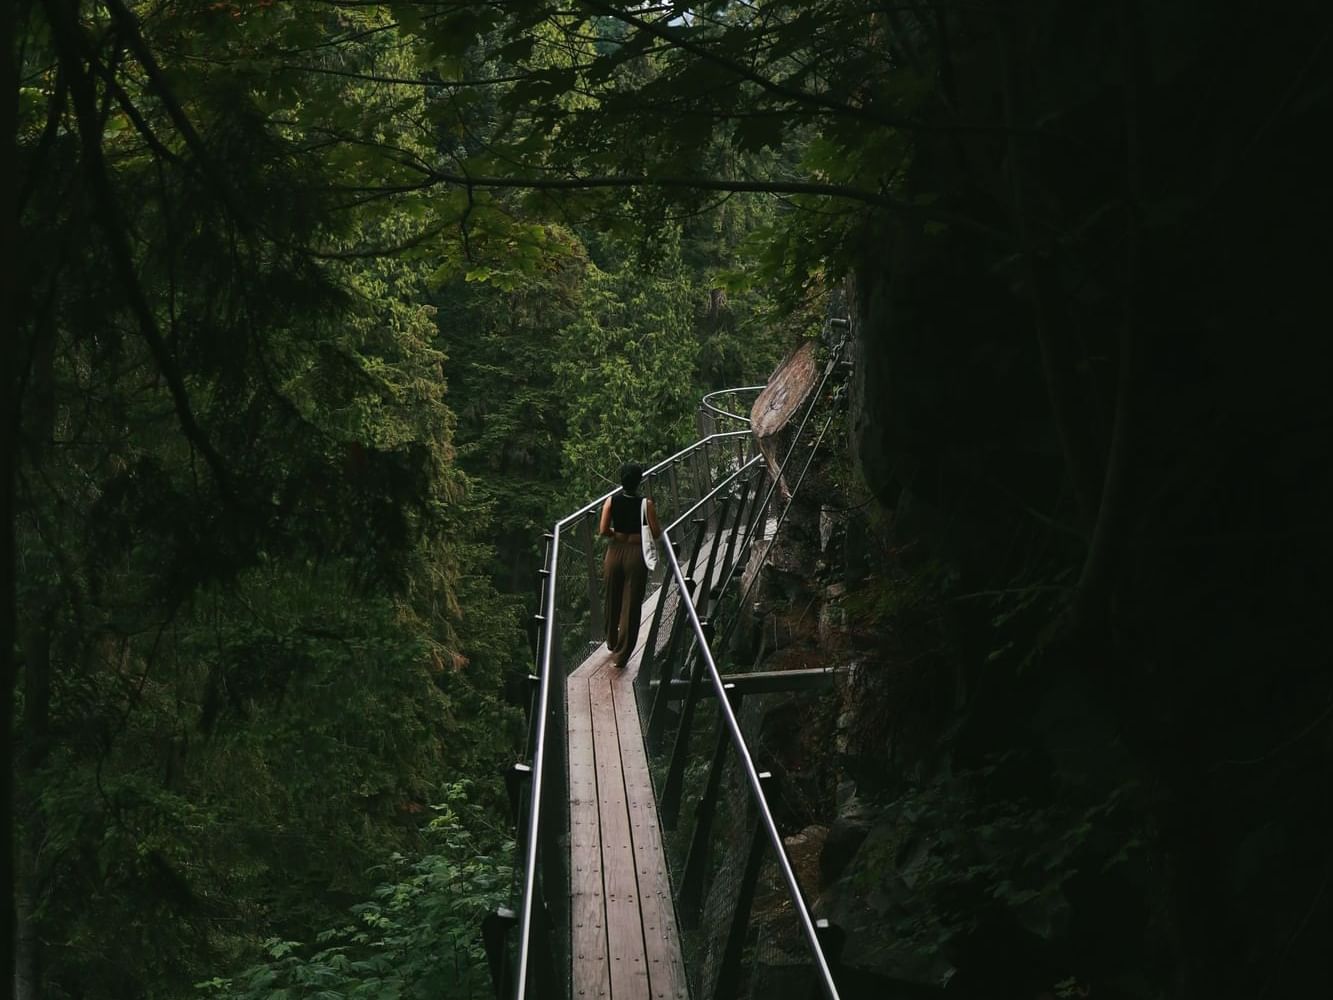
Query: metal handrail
(542,707)
(713,493)
(770,826)
(650,471)
(707,404)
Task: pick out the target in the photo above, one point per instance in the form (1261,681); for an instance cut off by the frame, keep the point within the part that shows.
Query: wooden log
(776,413)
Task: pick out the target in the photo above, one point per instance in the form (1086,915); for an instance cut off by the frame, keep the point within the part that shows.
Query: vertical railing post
(517,781)
(700,526)
(680,750)
(539,622)
(596,626)
(543,982)
(731,539)
(701,474)
(707,452)
(649,654)
(758,518)
(752,505)
(706,584)
(657,714)
(495,928)
(728,975)
(528,748)
(696,858)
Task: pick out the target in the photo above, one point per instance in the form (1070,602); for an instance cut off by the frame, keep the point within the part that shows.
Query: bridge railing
(679,671)
(726,409)
(722,504)
(528,946)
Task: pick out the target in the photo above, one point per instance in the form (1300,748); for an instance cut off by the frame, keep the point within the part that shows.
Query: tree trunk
(9,424)
(29,828)
(27,954)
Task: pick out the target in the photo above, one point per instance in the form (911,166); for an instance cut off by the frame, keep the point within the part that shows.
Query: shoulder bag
(646,538)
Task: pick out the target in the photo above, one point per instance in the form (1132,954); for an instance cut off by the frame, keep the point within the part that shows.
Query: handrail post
(517,779)
(731,540)
(495,929)
(700,531)
(696,858)
(707,454)
(545,984)
(539,625)
(745,518)
(649,654)
(706,584)
(680,750)
(534,684)
(596,626)
(755,516)
(728,974)
(701,477)
(657,714)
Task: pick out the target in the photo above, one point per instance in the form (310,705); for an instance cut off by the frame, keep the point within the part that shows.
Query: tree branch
(128,26)
(844,191)
(10,358)
(402,80)
(64,33)
(54,110)
(746,73)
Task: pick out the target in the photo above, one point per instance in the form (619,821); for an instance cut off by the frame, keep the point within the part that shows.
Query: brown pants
(625,577)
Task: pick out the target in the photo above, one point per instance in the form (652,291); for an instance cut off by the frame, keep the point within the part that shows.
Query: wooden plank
(624,926)
(600,656)
(590,973)
(666,966)
(615,842)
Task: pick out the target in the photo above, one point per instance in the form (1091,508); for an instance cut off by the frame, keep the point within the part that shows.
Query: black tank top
(625,513)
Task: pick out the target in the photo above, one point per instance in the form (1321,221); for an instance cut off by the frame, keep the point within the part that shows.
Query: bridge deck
(625,943)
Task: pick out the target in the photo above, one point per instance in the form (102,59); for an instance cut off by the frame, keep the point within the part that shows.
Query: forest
(321,312)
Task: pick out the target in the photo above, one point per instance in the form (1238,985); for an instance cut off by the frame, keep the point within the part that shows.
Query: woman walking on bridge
(625,516)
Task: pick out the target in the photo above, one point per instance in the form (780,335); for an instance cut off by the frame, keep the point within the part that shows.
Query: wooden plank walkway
(625,943)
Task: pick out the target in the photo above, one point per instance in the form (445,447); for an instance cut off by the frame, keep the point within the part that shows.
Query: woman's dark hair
(630,474)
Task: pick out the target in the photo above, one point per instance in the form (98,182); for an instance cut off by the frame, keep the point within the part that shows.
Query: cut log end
(786,392)
(773,418)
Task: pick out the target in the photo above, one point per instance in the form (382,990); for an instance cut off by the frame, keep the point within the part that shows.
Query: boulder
(843,839)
